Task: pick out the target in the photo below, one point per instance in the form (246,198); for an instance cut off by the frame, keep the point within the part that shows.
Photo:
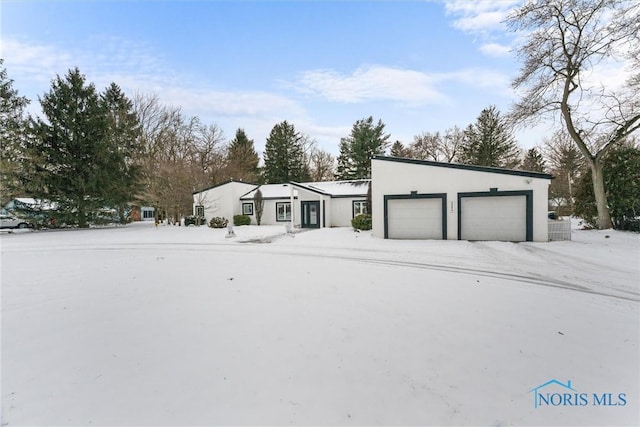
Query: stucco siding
(395,178)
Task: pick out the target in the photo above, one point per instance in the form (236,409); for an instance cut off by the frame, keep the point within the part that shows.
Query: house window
(283,211)
(247,209)
(359,207)
(199,210)
(147,213)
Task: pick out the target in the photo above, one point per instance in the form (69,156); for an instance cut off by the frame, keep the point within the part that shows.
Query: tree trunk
(604,218)
(82,215)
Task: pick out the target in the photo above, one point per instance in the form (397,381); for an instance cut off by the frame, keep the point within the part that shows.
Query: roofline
(333,196)
(223,183)
(489,169)
(313,190)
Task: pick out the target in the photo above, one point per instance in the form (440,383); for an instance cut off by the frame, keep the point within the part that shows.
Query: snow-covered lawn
(141,325)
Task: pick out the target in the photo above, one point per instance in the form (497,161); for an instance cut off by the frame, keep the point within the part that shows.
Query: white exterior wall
(391,178)
(269,213)
(342,211)
(222,201)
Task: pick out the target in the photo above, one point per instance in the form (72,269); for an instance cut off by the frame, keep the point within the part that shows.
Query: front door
(310,214)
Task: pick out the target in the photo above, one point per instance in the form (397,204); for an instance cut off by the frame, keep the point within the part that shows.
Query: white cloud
(495,49)
(380,83)
(370,83)
(476,16)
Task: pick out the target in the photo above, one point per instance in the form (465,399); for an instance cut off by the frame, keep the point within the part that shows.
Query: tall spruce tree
(242,159)
(12,131)
(533,161)
(123,149)
(69,156)
(366,140)
(284,157)
(399,150)
(490,142)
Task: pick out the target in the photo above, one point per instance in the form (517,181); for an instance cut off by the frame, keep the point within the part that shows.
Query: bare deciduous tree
(322,165)
(437,147)
(566,44)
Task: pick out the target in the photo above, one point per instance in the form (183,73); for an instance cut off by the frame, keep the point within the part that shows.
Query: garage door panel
(494,218)
(414,218)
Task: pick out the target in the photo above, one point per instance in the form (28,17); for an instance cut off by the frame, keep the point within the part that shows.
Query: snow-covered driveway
(181,326)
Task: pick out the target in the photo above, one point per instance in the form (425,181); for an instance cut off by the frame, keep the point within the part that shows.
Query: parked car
(194,220)
(7,221)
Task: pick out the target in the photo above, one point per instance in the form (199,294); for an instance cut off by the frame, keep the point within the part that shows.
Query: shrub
(241,220)
(218,222)
(362,222)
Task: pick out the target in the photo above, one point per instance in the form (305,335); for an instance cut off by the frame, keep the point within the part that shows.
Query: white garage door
(494,218)
(414,218)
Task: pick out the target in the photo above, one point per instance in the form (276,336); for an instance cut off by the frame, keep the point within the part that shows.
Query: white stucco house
(416,199)
(312,204)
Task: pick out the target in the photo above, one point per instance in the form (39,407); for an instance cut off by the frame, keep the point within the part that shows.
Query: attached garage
(415,216)
(494,216)
(419,199)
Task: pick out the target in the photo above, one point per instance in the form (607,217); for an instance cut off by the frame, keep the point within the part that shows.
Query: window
(247,209)
(148,213)
(283,211)
(359,207)
(199,210)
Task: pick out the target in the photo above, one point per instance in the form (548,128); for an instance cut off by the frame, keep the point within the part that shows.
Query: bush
(241,220)
(218,222)
(362,222)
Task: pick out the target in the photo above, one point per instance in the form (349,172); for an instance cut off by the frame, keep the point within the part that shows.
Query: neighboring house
(417,199)
(142,213)
(315,204)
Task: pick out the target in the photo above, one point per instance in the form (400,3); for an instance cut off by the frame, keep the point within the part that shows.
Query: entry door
(310,214)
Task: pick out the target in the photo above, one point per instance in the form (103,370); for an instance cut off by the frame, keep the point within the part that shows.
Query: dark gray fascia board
(489,169)
(224,183)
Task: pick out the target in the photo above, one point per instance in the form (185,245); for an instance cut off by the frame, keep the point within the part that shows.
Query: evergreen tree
(399,150)
(242,159)
(533,161)
(284,157)
(366,140)
(12,129)
(258,201)
(68,155)
(123,150)
(489,142)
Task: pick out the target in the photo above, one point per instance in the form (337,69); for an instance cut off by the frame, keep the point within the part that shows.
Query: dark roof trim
(313,190)
(324,193)
(251,199)
(466,167)
(224,183)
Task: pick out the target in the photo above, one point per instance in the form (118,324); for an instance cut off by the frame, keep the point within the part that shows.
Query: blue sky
(420,66)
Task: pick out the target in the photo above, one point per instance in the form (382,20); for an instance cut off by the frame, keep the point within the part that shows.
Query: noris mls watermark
(555,393)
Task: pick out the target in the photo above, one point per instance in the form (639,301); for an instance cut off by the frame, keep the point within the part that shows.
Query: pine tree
(284,157)
(123,149)
(399,150)
(366,140)
(533,161)
(68,154)
(489,142)
(242,159)
(12,129)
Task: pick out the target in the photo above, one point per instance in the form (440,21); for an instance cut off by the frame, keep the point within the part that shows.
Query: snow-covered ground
(141,325)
